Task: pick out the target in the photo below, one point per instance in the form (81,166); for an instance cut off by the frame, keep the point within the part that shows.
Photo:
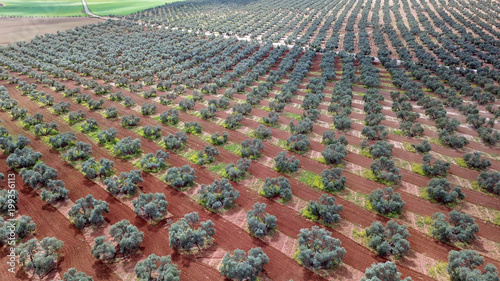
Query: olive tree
(154,162)
(387,271)
(125,184)
(334,153)
(473,160)
(384,170)
(183,235)
(333,180)
(22,227)
(180,177)
(442,191)
(274,187)
(88,211)
(171,116)
(438,168)
(127,147)
(298,143)
(262,132)
(241,267)
(40,257)
(175,142)
(251,148)
(461,227)
(318,249)
(81,151)
(150,206)
(126,236)
(386,201)
(259,222)
(102,249)
(390,239)
(423,147)
(107,136)
(219,194)
(237,172)
(463,265)
(93,169)
(157,268)
(284,164)
(23,158)
(381,148)
(219,139)
(490,181)
(62,140)
(74,275)
(324,210)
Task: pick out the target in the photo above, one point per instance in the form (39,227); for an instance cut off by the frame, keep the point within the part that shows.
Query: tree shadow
(102,270)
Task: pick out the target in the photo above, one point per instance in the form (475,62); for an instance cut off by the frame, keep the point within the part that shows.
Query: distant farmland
(119,7)
(39,8)
(74,8)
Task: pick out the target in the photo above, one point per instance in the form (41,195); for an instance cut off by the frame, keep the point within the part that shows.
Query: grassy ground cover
(122,7)
(42,8)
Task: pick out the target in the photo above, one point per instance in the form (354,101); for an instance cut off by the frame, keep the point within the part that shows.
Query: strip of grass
(307,214)
(360,236)
(425,220)
(475,186)
(293,115)
(461,162)
(218,168)
(234,148)
(122,7)
(311,179)
(407,146)
(320,159)
(438,270)
(496,221)
(42,8)
(417,168)
(368,174)
(365,152)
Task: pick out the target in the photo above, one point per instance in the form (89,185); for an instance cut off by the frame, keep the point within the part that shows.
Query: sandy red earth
(357,256)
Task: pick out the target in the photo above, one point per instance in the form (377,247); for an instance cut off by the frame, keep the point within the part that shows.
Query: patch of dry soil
(24,29)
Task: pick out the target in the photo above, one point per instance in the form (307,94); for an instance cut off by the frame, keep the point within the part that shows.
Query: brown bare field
(24,29)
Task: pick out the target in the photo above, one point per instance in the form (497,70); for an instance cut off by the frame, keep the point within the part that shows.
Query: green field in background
(42,8)
(122,7)
(71,8)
